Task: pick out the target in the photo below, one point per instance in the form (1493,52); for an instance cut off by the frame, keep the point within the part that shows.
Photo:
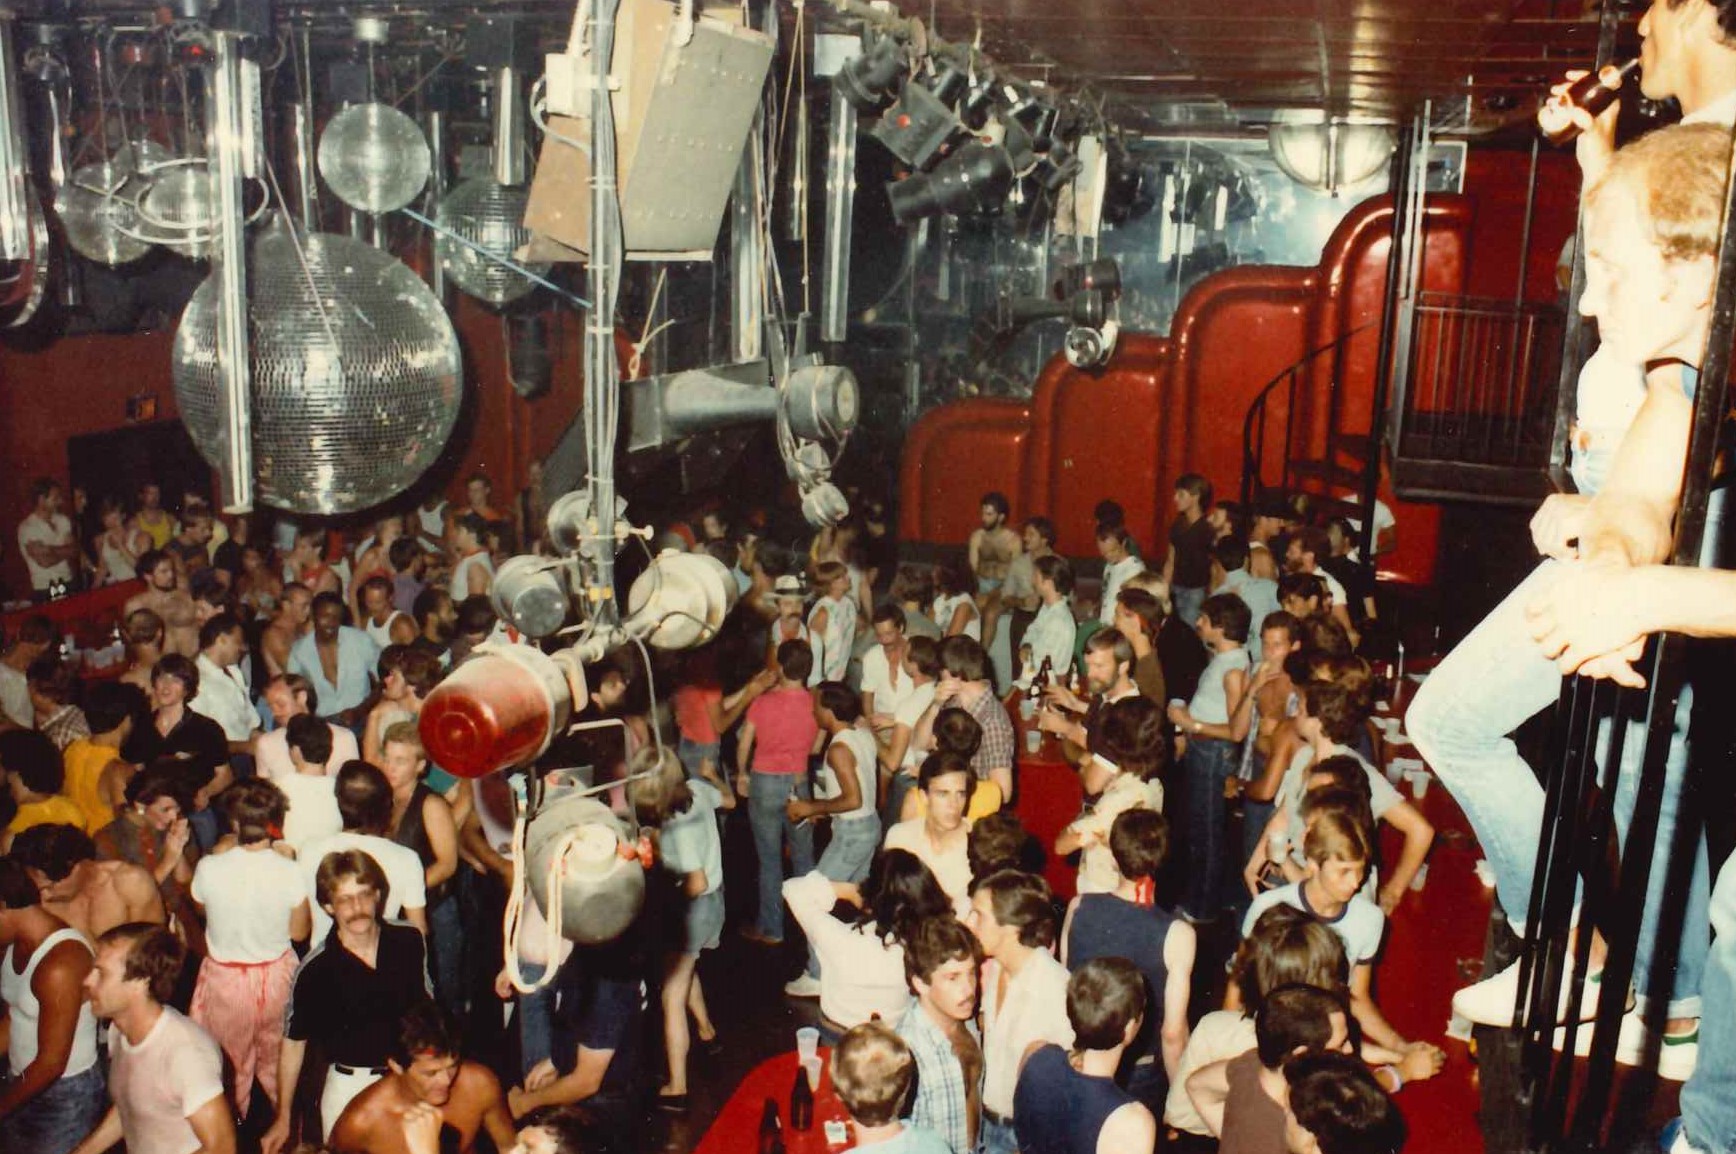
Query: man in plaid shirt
(967,683)
(941,961)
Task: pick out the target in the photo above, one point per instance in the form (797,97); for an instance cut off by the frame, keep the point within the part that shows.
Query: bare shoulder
(128,878)
(477,1083)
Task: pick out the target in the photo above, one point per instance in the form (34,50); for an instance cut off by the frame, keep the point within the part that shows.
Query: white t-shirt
(403,869)
(1114,577)
(248,895)
(271,754)
(164,1080)
(909,713)
(1294,787)
(223,699)
(689,840)
(1360,925)
(15,697)
(1221,1034)
(313,808)
(1333,586)
(33,530)
(951,870)
(1034,1010)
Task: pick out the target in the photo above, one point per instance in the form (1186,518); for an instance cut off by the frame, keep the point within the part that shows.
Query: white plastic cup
(1421,878)
(1033,739)
(1027,708)
(811,1066)
(807,1044)
(1419,782)
(1394,773)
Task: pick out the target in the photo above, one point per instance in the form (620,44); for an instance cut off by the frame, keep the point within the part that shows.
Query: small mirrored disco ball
(356,372)
(491,216)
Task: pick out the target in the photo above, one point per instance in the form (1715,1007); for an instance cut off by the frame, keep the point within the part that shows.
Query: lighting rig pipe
(224,126)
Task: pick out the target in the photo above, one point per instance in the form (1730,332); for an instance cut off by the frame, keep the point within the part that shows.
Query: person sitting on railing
(1652,270)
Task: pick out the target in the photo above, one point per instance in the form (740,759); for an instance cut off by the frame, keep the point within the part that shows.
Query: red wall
(81,384)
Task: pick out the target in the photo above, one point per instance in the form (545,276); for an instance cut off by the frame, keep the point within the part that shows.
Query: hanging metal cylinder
(747,254)
(225,127)
(14,159)
(509,143)
(840,210)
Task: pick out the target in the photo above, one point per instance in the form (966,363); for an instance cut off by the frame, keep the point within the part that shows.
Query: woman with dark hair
(862,959)
(955,609)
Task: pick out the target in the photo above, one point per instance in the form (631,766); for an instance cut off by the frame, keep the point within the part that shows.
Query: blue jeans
(846,859)
(997,1137)
(535,1019)
(1255,816)
(446,960)
(1186,602)
(767,793)
(1206,765)
(1709,1097)
(1490,684)
(59,1118)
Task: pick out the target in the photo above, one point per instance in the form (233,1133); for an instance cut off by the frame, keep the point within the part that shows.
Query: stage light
(973,179)
(867,81)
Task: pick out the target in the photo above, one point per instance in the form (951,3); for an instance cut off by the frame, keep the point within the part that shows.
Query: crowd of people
(238,854)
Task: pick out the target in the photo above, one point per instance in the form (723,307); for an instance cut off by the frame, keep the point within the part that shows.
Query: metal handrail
(1254,423)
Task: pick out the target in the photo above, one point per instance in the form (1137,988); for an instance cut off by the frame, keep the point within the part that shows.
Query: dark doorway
(115,463)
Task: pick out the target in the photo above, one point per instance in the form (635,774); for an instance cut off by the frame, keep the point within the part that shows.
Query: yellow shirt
(55,810)
(85,760)
(984,800)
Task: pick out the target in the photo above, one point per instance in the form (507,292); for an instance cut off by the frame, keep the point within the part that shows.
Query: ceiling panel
(1372,58)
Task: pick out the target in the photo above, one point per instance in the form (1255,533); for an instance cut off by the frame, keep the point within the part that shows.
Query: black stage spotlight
(973,179)
(917,126)
(866,81)
(1102,275)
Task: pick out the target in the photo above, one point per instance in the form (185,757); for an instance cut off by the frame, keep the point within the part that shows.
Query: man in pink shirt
(776,740)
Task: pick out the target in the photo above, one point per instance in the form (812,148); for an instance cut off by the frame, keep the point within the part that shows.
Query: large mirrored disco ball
(349,408)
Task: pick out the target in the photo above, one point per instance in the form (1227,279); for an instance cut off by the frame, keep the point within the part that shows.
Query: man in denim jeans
(775,740)
(1651,297)
(847,795)
(1212,753)
(55,1094)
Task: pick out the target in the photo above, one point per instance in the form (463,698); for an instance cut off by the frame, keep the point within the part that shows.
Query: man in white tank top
(472,567)
(55,1094)
(847,791)
(379,619)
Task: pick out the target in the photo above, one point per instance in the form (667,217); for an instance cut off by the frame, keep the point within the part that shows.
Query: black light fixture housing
(973,179)
(867,81)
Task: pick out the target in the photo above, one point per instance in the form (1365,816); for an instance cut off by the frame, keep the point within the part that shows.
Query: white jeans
(340,1090)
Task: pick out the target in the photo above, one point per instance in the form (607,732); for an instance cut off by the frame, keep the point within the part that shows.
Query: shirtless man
(993,545)
(165,597)
(427,1070)
(294,611)
(93,897)
(1270,703)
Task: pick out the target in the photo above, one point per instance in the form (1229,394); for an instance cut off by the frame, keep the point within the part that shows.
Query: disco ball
(178,213)
(356,372)
(98,207)
(490,215)
(374,158)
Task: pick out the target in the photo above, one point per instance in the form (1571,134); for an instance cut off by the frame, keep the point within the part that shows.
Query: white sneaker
(1677,1054)
(1493,1001)
(803,987)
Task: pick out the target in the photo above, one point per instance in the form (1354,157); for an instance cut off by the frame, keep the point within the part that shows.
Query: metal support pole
(509,168)
(840,211)
(436,190)
(603,278)
(747,252)
(14,159)
(224,126)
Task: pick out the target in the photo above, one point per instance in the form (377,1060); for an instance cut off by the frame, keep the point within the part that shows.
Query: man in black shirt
(351,992)
(1188,568)
(189,744)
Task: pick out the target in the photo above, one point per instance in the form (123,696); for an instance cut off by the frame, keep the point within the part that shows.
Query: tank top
(117,563)
(1105,926)
(1210,704)
(1253,1123)
(413,834)
(1058,1110)
(860,742)
(381,634)
(432,521)
(460,586)
(85,760)
(945,607)
(27,1011)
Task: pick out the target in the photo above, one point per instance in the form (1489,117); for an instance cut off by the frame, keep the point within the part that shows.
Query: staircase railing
(1482,383)
(1257,431)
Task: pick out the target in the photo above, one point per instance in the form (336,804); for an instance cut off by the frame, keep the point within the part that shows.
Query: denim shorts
(693,754)
(703,923)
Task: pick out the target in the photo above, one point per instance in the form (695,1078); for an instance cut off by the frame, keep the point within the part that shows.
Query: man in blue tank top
(1067,1102)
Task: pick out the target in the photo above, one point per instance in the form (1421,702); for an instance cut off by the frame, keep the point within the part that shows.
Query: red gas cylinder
(501,708)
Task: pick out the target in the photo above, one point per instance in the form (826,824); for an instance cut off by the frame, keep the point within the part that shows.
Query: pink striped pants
(241,1004)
